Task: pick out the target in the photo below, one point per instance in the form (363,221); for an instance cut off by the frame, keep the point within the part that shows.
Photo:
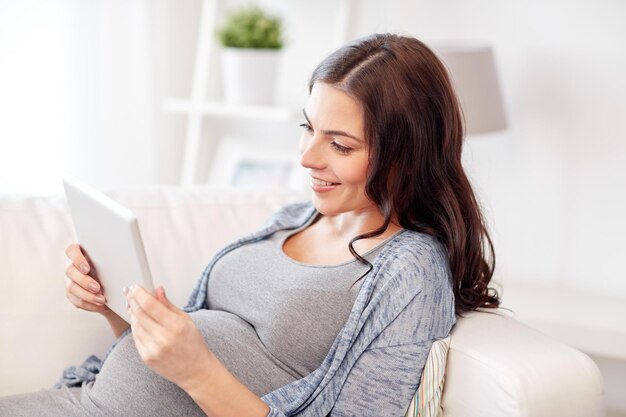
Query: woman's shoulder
(291,215)
(414,261)
(413,277)
(411,246)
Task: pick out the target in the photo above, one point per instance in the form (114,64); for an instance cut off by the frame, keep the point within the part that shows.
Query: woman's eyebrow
(332,132)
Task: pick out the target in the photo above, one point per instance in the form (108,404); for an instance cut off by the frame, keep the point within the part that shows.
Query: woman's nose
(310,153)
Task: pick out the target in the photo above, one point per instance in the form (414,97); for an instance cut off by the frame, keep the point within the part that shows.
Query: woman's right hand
(85,292)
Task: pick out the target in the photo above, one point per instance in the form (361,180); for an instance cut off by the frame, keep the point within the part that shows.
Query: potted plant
(252,40)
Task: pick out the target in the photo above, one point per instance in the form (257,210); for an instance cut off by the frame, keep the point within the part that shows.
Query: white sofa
(496,365)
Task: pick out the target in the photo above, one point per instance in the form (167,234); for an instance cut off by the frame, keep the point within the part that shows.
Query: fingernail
(125,290)
(84,268)
(93,287)
(100,299)
(127,305)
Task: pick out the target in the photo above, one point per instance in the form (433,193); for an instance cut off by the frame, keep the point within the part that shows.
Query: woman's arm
(219,393)
(118,324)
(384,378)
(169,342)
(382,381)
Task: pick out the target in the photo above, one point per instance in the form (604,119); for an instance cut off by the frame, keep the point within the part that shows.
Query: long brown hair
(414,128)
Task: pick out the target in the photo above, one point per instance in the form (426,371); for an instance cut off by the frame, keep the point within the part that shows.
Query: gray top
(374,365)
(295,310)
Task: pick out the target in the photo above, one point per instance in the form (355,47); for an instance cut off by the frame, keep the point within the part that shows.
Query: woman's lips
(321,186)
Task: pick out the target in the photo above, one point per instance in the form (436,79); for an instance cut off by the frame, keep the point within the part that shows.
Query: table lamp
(473,73)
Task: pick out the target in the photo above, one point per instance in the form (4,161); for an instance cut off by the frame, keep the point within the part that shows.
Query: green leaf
(251,27)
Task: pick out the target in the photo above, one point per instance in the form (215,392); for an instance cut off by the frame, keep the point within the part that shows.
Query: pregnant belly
(126,384)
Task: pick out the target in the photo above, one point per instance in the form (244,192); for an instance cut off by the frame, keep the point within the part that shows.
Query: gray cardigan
(374,365)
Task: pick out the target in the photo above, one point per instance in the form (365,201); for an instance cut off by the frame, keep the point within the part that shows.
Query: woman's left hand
(167,340)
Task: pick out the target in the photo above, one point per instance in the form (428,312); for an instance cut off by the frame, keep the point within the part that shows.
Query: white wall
(32,82)
(76,93)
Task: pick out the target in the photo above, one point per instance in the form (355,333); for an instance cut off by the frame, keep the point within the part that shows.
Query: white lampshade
(473,73)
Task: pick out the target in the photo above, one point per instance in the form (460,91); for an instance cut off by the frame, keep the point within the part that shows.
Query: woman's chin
(323,207)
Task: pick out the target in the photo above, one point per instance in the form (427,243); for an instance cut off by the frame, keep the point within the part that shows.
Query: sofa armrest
(498,366)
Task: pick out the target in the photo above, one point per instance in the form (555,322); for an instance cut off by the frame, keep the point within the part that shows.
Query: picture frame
(246,163)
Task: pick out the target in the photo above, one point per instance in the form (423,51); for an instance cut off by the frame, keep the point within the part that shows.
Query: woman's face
(334,151)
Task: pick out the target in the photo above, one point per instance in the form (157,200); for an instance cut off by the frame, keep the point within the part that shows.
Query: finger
(146,341)
(141,317)
(150,305)
(72,288)
(160,295)
(148,346)
(85,305)
(139,335)
(84,281)
(77,257)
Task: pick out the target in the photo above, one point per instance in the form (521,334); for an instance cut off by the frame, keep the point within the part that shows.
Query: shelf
(594,324)
(231,111)
(197,109)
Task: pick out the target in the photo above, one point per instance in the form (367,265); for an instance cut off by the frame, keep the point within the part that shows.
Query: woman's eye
(306,127)
(340,148)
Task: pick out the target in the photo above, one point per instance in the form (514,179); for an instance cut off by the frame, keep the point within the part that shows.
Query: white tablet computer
(109,236)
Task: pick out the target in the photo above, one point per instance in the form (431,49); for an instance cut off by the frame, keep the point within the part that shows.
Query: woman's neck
(345,226)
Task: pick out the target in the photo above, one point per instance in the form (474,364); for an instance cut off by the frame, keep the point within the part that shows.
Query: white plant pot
(249,75)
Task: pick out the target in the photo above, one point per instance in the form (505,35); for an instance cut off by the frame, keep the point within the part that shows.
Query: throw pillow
(427,399)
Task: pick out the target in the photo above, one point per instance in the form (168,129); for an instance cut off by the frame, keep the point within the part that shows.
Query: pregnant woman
(332,307)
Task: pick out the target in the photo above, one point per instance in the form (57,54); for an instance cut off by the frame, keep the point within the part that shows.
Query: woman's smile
(321,186)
